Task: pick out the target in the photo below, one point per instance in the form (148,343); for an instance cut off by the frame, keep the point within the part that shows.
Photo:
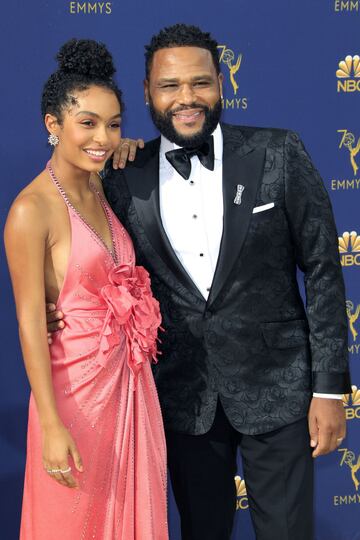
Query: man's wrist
(327,396)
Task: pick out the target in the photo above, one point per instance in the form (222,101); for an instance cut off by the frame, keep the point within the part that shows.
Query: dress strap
(96,235)
(57,183)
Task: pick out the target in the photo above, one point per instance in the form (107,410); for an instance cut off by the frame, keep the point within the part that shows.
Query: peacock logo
(348,74)
(351,403)
(241,494)
(349,248)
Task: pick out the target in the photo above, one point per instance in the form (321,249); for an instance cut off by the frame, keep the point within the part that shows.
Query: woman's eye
(115,125)
(88,123)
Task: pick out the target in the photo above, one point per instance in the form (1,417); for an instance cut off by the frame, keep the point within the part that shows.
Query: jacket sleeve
(315,241)
(116,192)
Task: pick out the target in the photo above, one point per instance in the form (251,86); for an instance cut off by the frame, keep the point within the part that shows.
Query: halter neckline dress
(106,398)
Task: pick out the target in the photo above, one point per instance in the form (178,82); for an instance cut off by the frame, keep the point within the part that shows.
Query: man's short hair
(181,35)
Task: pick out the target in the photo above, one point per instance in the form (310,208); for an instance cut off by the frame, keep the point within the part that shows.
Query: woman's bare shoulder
(32,204)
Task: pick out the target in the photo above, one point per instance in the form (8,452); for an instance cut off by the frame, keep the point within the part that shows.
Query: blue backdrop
(281,61)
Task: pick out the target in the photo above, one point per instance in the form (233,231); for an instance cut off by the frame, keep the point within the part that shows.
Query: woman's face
(90,129)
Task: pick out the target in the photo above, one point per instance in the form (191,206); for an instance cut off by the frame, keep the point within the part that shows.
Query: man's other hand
(327,425)
(54,320)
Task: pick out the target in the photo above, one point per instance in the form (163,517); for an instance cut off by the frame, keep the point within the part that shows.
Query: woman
(96,452)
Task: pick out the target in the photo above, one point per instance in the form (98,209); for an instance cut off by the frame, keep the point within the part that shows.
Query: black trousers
(278,472)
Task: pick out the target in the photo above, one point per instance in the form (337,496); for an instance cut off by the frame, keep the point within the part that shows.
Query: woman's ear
(52,124)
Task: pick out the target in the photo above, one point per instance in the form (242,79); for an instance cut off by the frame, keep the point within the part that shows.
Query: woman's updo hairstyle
(82,63)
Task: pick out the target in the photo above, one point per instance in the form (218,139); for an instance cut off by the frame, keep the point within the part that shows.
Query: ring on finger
(339,440)
(55,471)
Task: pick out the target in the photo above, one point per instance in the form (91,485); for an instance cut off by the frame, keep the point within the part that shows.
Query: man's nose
(187,94)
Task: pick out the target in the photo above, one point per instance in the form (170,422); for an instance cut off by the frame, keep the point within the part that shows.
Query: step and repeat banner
(286,64)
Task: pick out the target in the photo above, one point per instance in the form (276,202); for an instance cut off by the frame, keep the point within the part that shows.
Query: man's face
(184,93)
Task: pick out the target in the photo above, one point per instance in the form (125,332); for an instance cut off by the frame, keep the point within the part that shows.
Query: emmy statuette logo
(351,404)
(353,315)
(348,142)
(241,495)
(349,248)
(350,148)
(227,57)
(350,464)
(348,74)
(232,62)
(349,459)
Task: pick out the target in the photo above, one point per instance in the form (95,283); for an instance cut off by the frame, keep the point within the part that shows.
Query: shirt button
(201,254)
(192,182)
(208,289)
(194,216)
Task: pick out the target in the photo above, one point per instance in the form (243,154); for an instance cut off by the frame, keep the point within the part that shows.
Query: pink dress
(106,398)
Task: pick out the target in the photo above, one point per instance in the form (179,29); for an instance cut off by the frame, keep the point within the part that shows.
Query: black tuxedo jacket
(251,343)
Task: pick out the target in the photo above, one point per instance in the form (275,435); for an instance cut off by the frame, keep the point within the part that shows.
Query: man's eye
(201,83)
(169,86)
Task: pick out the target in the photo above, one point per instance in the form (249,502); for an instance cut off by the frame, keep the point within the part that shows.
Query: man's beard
(164,123)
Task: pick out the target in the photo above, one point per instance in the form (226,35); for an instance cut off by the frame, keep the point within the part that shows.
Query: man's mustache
(187,108)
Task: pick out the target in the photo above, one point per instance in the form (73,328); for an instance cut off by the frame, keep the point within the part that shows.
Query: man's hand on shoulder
(126,151)
(327,425)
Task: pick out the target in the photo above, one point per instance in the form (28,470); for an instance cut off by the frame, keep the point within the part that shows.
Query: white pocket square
(263,207)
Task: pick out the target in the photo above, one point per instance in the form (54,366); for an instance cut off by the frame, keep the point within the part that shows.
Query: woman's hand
(126,151)
(57,446)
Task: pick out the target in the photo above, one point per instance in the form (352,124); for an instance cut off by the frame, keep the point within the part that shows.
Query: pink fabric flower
(131,305)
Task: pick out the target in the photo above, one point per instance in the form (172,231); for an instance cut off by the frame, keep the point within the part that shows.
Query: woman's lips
(96,155)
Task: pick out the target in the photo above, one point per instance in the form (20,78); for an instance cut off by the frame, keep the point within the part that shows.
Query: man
(221,216)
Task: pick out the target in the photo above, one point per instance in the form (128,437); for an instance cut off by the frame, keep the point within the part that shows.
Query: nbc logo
(348,74)
(349,248)
(241,495)
(351,403)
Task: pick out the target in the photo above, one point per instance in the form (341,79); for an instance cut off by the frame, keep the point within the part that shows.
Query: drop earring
(53,139)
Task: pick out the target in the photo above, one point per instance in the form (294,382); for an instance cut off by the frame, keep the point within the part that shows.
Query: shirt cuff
(327,396)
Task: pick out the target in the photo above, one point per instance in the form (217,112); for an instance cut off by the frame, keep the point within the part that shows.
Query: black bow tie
(180,158)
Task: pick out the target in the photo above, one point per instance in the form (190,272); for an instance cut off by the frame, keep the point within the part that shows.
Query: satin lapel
(241,165)
(143,183)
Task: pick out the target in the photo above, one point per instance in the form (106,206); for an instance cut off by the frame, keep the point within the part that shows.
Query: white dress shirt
(192,215)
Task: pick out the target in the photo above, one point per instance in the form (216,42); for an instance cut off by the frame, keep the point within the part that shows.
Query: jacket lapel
(143,184)
(242,165)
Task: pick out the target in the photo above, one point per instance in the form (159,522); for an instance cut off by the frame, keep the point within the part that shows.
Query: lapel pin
(239,191)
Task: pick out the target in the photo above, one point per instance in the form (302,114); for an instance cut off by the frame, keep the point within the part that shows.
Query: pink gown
(106,398)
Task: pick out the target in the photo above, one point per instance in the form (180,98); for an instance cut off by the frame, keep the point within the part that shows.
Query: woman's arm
(26,234)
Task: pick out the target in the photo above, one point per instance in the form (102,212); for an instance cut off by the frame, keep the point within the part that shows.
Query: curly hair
(81,63)
(181,35)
